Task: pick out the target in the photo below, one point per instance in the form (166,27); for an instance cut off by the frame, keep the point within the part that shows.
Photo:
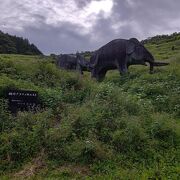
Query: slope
(125,127)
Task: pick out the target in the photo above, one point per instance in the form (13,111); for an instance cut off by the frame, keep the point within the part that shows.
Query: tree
(16,45)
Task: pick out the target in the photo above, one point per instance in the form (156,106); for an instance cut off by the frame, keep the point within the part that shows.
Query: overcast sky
(67,26)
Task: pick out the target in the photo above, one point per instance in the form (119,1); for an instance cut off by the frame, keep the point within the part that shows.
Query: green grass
(126,127)
(163,48)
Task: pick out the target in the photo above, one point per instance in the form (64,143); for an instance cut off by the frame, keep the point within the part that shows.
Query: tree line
(16,45)
(162,38)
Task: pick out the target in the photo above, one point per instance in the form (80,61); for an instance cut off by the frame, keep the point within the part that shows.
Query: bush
(24,139)
(6,121)
(126,123)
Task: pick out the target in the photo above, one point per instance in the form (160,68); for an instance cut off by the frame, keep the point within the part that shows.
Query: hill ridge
(10,44)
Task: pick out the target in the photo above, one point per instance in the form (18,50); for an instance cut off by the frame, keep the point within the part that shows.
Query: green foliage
(125,127)
(5,118)
(16,45)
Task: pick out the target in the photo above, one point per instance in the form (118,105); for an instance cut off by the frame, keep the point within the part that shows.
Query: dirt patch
(32,168)
(75,170)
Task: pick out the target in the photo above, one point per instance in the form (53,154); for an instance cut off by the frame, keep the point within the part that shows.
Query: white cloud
(71,25)
(21,13)
(132,3)
(95,7)
(118,25)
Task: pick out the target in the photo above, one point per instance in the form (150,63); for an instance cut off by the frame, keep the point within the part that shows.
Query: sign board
(20,100)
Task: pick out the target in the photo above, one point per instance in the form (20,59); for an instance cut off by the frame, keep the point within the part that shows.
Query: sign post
(21,100)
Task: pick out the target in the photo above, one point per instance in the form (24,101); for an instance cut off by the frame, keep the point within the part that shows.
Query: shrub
(6,121)
(24,140)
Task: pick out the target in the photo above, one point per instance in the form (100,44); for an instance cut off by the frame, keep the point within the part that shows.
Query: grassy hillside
(126,127)
(164,47)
